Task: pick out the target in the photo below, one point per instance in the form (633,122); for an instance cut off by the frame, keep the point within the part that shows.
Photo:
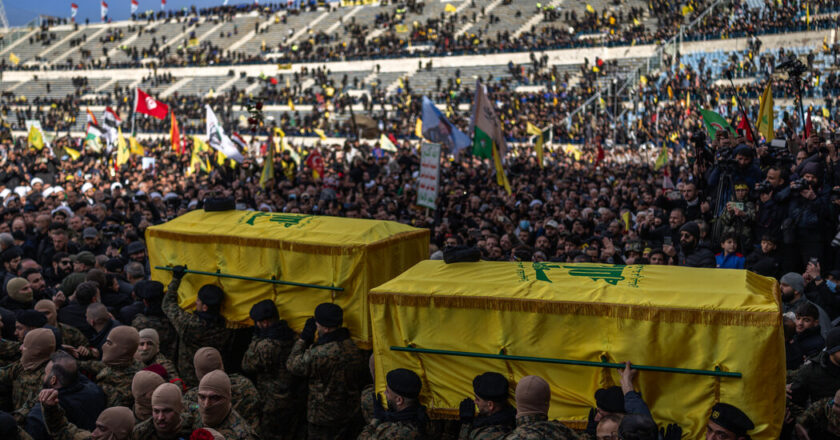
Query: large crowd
(92,348)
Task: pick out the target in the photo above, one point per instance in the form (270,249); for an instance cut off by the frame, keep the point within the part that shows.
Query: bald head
(97,313)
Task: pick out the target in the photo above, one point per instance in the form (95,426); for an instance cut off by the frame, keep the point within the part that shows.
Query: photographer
(808,218)
(738,165)
(770,207)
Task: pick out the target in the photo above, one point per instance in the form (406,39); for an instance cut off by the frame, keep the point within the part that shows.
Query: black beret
(610,399)
(491,386)
(731,418)
(265,309)
(114,265)
(329,315)
(31,318)
(10,254)
(150,290)
(211,294)
(405,383)
(135,247)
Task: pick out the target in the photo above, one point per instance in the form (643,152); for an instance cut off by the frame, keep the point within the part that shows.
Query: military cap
(211,294)
(31,318)
(491,386)
(610,399)
(731,418)
(329,315)
(150,290)
(265,309)
(405,383)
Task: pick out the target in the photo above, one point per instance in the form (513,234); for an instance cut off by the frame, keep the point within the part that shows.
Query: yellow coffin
(700,319)
(347,253)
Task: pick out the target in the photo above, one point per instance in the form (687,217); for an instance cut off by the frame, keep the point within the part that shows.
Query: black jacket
(82,402)
(73,314)
(700,256)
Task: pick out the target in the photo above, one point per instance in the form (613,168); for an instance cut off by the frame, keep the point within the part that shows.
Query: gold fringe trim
(452,414)
(618,311)
(280,244)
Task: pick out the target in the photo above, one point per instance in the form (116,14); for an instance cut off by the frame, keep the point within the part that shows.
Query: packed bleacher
(627,144)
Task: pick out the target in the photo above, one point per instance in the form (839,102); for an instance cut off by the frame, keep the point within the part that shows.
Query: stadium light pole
(3,20)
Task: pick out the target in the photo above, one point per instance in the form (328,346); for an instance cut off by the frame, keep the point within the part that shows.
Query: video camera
(800,184)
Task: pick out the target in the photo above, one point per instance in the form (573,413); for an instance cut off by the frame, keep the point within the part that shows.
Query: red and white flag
(143,103)
(134,6)
(103,10)
(73,9)
(162,4)
(316,163)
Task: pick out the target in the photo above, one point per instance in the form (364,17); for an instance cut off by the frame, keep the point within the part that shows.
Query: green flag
(715,122)
(482,144)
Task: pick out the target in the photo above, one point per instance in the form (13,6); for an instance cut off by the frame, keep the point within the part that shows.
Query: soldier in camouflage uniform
(144,384)
(533,397)
(821,419)
(405,418)
(265,361)
(168,419)
(114,423)
(214,400)
(69,335)
(334,366)
(246,399)
(149,354)
(151,293)
(369,397)
(115,372)
(204,328)
(496,418)
(26,376)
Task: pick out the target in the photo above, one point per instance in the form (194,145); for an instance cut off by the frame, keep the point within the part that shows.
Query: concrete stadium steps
(278,32)
(385,79)
(30,48)
(336,78)
(155,31)
(365,17)
(95,46)
(65,51)
(201,85)
(220,39)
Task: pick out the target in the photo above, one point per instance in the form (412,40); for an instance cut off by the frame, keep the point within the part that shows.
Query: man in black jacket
(81,399)
(692,252)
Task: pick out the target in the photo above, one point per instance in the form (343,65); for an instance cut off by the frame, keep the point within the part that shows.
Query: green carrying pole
(261,280)
(717,373)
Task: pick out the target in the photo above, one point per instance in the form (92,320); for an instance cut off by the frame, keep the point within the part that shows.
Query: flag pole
(133,113)
(743,110)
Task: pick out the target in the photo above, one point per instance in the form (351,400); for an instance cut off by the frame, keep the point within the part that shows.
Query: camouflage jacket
(405,424)
(244,396)
(492,427)
(145,430)
(9,352)
(72,336)
(820,420)
(59,427)
(166,332)
(233,427)
(193,333)
(367,402)
(115,381)
(265,361)
(333,366)
(25,386)
(167,365)
(538,427)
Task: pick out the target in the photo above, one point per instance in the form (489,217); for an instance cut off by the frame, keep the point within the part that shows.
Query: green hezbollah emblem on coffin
(352,254)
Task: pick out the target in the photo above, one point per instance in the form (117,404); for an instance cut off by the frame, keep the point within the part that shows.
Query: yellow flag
(807,15)
(734,101)
(589,8)
(123,153)
(450,8)
(636,22)
(268,167)
(418,128)
(670,92)
(625,218)
(826,113)
(765,114)
(14,58)
(279,132)
(688,9)
(35,138)
(320,133)
(199,146)
(291,104)
(501,178)
(538,147)
(135,147)
(74,154)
